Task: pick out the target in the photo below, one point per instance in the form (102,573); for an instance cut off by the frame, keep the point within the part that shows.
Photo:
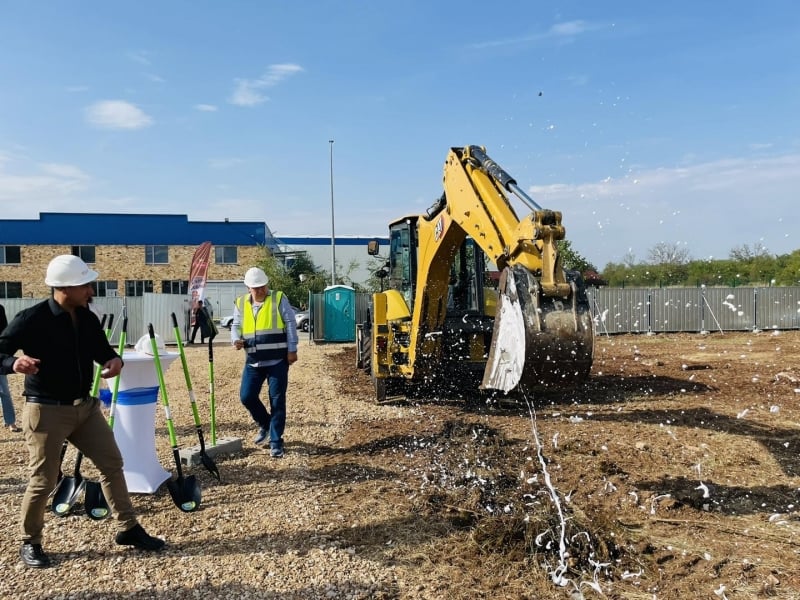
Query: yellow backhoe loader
(471,288)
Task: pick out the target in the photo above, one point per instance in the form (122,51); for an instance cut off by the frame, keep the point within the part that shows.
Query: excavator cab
(402,261)
(457,310)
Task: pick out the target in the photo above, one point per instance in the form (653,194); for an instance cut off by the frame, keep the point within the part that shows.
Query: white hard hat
(255,277)
(145,346)
(67,270)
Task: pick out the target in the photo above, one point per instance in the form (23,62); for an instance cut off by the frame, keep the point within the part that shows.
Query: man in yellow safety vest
(264,326)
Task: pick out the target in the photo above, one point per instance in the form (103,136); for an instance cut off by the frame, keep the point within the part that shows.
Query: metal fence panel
(614,310)
(778,308)
(674,309)
(730,309)
(619,310)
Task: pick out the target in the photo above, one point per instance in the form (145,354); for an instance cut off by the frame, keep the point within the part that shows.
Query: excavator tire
(364,348)
(388,389)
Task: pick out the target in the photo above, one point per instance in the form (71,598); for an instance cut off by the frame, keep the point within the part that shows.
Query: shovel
(207,461)
(69,490)
(60,464)
(94,500)
(212,399)
(185,492)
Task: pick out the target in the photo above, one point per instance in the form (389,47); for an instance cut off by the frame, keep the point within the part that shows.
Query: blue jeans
(8,404)
(253,379)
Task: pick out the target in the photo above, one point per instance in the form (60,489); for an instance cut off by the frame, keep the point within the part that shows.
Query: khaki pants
(46,427)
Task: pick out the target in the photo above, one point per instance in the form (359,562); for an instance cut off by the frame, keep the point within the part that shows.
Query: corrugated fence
(654,310)
(615,310)
(141,310)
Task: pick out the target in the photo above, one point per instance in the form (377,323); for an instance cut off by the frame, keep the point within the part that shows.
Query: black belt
(57,402)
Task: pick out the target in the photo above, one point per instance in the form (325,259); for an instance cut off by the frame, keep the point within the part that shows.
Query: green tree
(295,281)
(668,253)
(571,259)
(788,269)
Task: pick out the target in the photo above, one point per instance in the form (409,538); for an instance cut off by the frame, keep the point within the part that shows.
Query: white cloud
(64,171)
(205,107)
(46,185)
(248,92)
(140,56)
(566,30)
(710,207)
(224,163)
(117,114)
(571,28)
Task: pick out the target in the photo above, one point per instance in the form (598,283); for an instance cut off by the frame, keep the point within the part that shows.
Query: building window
(106,288)
(9,255)
(84,252)
(174,286)
(138,287)
(156,255)
(10,289)
(226,255)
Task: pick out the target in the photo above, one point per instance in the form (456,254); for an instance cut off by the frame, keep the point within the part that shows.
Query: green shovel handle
(115,392)
(173,439)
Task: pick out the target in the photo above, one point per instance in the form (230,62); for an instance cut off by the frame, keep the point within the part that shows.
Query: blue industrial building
(105,229)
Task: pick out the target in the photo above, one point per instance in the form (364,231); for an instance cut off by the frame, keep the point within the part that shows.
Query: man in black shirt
(60,339)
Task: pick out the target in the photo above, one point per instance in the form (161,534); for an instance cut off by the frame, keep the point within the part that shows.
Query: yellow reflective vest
(264,334)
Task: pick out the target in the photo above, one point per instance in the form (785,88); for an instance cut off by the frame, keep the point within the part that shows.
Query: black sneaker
(33,556)
(136,536)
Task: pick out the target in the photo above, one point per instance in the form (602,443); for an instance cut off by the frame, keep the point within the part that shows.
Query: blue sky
(641,122)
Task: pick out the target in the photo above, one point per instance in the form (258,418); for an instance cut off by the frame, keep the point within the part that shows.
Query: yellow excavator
(471,288)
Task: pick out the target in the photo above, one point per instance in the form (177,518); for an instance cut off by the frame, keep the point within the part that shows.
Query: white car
(226,322)
(301,319)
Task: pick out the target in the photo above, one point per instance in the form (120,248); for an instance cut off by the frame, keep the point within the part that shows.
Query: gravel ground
(268,530)
(672,473)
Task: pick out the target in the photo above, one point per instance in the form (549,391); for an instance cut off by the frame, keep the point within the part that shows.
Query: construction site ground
(672,473)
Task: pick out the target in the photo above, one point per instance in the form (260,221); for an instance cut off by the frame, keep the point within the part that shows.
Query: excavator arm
(543,330)
(439,317)
(475,189)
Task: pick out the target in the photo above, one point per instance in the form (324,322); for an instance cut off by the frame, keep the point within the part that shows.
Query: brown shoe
(13,428)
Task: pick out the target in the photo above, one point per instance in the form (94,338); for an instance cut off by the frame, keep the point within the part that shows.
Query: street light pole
(333,231)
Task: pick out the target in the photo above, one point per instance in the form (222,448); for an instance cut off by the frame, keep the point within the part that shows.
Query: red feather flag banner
(198,273)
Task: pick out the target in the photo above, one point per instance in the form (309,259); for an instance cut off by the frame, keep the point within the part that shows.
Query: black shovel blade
(94,501)
(185,493)
(67,492)
(210,465)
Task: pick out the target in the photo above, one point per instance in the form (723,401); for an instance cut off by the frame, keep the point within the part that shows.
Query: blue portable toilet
(340,313)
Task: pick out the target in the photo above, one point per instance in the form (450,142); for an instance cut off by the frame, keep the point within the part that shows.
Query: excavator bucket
(538,341)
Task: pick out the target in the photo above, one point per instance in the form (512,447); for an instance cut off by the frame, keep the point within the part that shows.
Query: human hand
(291,357)
(27,365)
(238,344)
(112,368)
